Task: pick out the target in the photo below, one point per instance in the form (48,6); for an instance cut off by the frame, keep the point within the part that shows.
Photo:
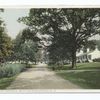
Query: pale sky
(10,17)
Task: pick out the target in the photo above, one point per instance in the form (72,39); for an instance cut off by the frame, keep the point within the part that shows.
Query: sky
(10,17)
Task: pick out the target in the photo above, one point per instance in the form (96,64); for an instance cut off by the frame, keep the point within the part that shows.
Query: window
(89,56)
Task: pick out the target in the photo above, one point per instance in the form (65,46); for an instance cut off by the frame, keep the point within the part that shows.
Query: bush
(96,60)
(9,70)
(28,66)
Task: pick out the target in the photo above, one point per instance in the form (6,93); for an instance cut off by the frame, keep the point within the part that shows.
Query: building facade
(89,56)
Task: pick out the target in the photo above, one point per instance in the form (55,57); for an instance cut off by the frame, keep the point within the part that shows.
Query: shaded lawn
(92,65)
(85,79)
(5,82)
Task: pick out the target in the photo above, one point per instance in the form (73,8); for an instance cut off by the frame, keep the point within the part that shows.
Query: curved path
(41,78)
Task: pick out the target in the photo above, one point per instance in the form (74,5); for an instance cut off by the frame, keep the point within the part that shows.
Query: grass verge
(80,66)
(85,79)
(5,82)
(8,73)
(81,76)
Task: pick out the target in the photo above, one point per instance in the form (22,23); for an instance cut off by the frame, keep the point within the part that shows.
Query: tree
(5,42)
(91,44)
(97,42)
(29,49)
(58,52)
(29,34)
(5,46)
(79,24)
(24,48)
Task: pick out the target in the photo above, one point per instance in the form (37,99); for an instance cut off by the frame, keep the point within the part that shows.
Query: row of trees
(70,29)
(23,48)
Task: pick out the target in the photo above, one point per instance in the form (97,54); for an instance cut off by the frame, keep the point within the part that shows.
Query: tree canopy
(78,23)
(24,48)
(5,42)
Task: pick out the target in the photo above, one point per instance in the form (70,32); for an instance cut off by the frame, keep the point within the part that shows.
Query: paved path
(41,78)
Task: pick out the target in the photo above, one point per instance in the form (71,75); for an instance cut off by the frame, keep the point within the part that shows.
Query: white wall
(95,54)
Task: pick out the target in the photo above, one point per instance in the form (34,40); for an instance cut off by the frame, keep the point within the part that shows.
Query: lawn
(92,65)
(5,82)
(80,66)
(85,79)
(82,77)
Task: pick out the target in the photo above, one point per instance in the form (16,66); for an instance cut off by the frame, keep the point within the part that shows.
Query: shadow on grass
(80,66)
(5,82)
(85,79)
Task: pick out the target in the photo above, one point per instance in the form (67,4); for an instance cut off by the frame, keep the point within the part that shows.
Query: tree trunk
(73,59)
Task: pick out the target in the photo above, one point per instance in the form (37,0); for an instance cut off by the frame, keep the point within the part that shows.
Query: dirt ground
(41,77)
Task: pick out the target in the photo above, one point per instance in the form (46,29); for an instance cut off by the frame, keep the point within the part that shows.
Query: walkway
(41,78)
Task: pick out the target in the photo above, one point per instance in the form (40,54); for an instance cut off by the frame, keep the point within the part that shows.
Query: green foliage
(91,44)
(24,49)
(29,50)
(79,25)
(96,60)
(5,45)
(29,34)
(98,43)
(76,26)
(5,42)
(9,70)
(58,50)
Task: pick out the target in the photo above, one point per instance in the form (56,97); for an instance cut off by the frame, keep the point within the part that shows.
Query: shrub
(9,70)
(28,66)
(96,60)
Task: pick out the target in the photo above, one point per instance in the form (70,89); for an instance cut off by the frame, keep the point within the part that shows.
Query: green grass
(80,76)
(5,82)
(85,79)
(92,65)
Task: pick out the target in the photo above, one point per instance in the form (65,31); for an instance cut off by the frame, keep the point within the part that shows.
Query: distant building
(88,56)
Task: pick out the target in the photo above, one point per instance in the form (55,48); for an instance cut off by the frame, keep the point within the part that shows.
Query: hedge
(9,70)
(96,60)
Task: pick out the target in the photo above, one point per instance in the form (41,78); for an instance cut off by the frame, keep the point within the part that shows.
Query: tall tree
(58,52)
(5,42)
(24,48)
(79,24)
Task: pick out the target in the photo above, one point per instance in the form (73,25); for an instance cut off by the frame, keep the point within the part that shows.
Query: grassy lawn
(5,82)
(85,79)
(92,65)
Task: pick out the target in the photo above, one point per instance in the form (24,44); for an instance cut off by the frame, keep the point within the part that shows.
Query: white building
(89,56)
